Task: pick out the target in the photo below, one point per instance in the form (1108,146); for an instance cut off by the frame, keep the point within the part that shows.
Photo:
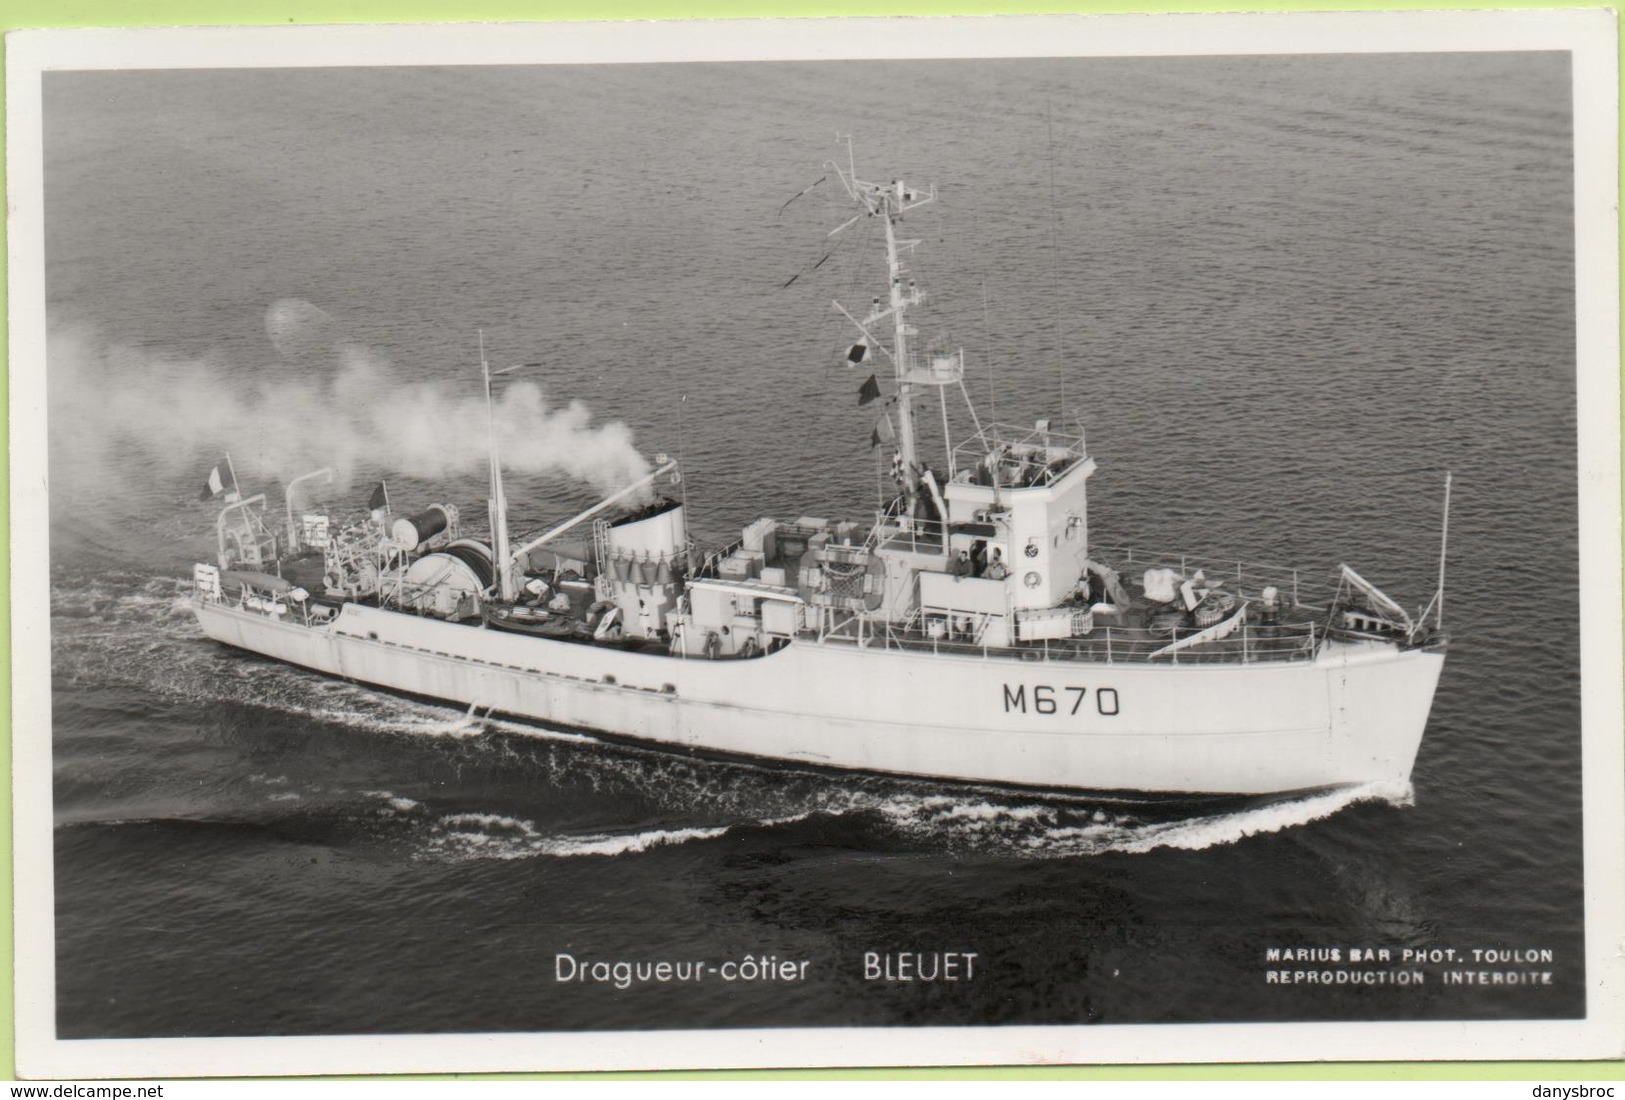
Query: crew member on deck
(996,570)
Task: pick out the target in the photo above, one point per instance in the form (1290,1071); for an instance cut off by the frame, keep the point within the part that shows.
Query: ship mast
(901,331)
(891,201)
(497,504)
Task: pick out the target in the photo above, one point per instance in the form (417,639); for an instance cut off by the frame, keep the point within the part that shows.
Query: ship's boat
(969,631)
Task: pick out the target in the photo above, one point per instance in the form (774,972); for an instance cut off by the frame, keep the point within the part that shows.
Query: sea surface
(1284,295)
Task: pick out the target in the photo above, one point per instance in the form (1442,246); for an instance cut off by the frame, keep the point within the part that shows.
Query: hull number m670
(1058,699)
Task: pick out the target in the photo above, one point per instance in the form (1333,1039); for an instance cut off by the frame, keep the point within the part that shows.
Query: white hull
(1353,715)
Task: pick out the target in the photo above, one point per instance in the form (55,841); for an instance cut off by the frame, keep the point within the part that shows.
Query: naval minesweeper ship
(969,631)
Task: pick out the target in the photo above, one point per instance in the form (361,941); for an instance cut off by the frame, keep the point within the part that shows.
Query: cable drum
(475,555)
(413,531)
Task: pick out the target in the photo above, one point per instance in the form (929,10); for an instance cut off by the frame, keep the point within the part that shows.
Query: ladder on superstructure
(600,546)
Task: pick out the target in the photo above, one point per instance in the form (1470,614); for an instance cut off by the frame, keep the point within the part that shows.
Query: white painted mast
(1435,607)
(891,200)
(237,490)
(1444,541)
(901,332)
(497,504)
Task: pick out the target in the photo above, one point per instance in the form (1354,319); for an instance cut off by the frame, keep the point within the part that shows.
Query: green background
(157,13)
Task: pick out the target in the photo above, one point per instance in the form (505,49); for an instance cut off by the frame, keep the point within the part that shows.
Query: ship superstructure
(968,630)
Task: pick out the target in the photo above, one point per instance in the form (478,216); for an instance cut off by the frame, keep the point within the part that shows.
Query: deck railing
(1030,446)
(1250,644)
(898,532)
(1310,593)
(711,564)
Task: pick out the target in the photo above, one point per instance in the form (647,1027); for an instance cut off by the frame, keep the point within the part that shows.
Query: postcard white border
(1589,34)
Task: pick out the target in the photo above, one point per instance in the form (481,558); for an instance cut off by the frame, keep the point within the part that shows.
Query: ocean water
(1284,295)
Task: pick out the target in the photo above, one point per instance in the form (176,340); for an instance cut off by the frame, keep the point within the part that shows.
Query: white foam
(610,844)
(494,836)
(945,810)
(1044,831)
(488,821)
(394,801)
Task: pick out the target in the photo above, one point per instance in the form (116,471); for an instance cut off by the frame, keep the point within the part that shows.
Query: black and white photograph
(847,543)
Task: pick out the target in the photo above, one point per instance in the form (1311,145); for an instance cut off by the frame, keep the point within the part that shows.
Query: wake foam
(493,836)
(394,803)
(1010,829)
(1066,831)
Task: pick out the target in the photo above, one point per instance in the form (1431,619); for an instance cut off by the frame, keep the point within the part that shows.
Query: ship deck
(1143,631)
(1295,637)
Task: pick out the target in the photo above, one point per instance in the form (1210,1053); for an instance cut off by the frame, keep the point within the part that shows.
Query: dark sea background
(1284,294)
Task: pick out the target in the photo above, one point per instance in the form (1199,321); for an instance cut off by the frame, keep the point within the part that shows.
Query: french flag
(215,485)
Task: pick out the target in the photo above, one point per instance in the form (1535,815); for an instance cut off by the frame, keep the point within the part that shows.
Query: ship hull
(1353,715)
